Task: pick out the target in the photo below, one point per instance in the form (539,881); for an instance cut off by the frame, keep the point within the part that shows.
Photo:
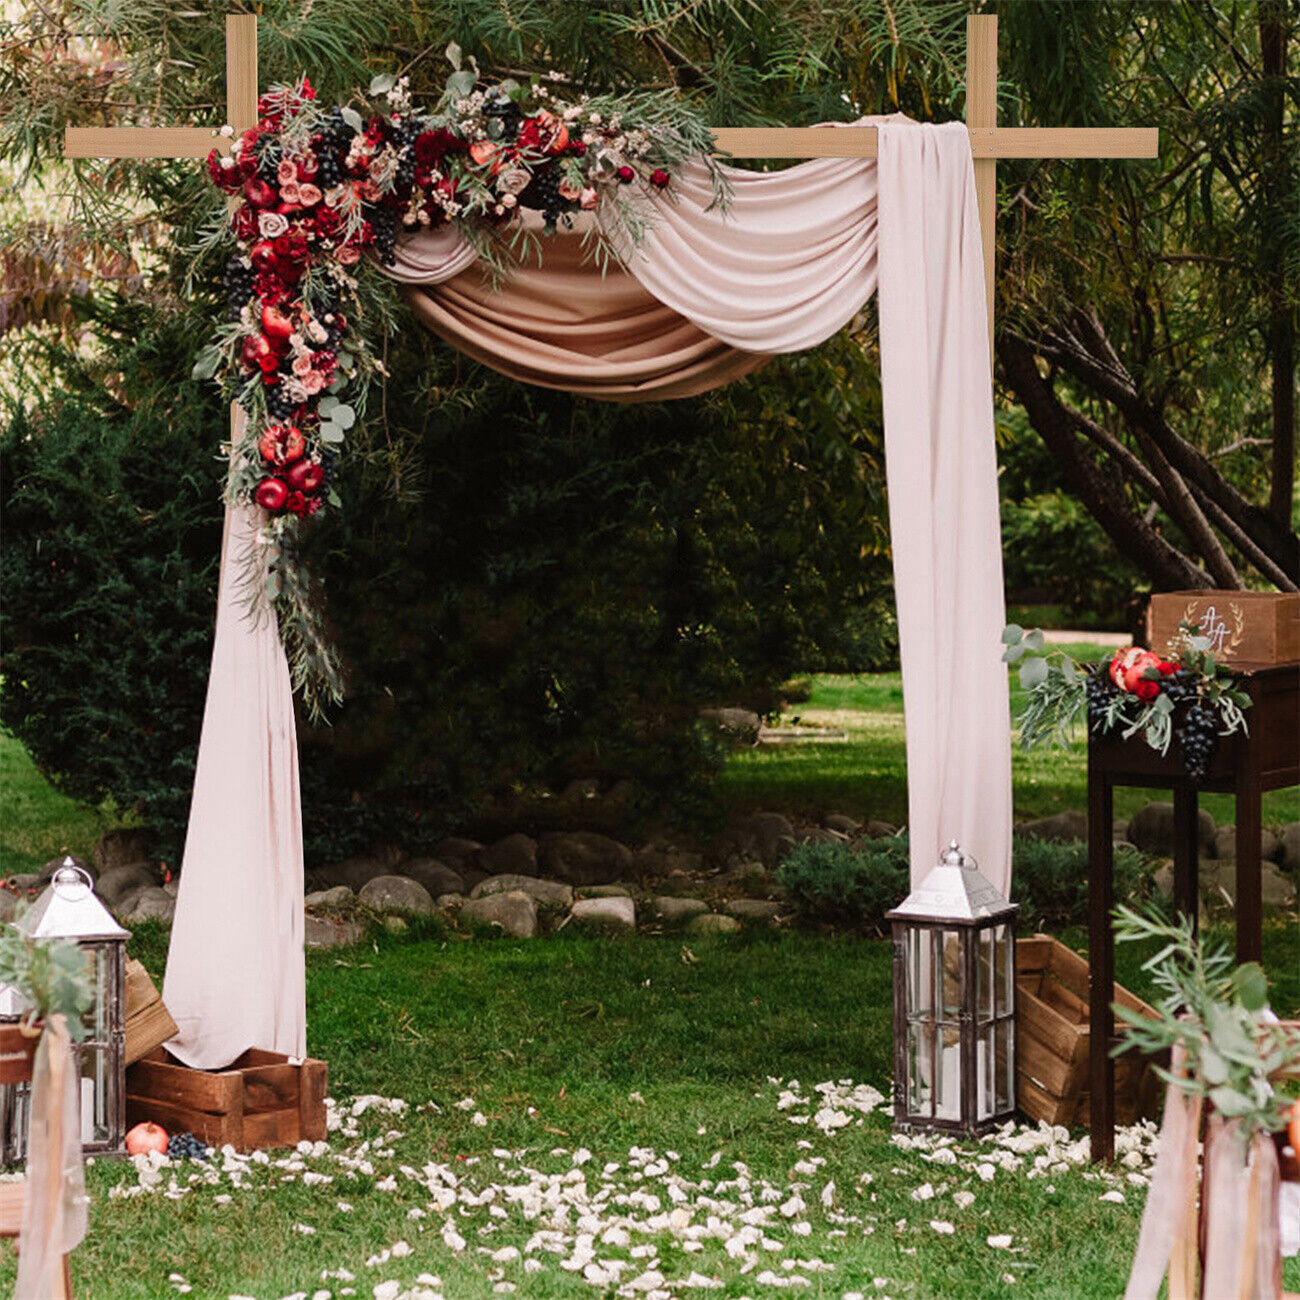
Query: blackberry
(237,284)
(1198,734)
(1100,691)
(278,404)
(543,194)
(385,222)
(186,1146)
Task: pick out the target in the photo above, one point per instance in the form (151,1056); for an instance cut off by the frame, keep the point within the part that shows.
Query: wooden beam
(142,142)
(986,142)
(981,115)
(241,71)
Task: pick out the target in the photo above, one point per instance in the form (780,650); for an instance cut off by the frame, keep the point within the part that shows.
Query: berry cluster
(186,1146)
(1198,735)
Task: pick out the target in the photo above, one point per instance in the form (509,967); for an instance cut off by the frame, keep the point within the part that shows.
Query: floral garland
(1188,696)
(313,190)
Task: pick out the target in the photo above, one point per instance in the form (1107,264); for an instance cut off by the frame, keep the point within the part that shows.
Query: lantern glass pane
(985,1061)
(101,969)
(986,974)
(1005,1063)
(950,1000)
(1004,939)
(919,995)
(920,1055)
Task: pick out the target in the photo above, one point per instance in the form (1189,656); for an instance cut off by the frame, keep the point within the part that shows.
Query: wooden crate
(1053,1040)
(148,1022)
(1248,628)
(261,1100)
(17,1052)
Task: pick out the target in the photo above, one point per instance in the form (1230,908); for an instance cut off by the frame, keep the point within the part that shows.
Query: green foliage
(1217,1012)
(856,884)
(52,975)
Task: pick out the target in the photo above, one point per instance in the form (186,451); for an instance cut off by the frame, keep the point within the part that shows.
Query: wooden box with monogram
(1247,629)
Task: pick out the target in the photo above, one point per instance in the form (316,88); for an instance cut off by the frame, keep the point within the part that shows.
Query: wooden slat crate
(148,1022)
(1248,628)
(1052,1039)
(259,1101)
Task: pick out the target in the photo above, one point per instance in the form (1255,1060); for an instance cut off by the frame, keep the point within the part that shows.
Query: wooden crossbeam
(989,142)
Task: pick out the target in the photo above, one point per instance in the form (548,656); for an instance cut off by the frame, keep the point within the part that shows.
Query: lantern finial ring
(70,877)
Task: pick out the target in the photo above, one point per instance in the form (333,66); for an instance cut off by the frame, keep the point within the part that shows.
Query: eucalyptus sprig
(1055,685)
(52,975)
(1218,1013)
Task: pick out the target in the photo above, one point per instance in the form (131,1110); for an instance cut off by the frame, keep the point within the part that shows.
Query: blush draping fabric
(235,970)
(706,297)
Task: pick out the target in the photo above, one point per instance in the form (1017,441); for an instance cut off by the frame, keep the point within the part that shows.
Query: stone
(356,873)
(1225,843)
(514,855)
(767,835)
(446,902)
(395,924)
(608,915)
(48,870)
(1060,828)
(172,887)
(396,894)
(712,923)
(1152,830)
(331,932)
(1119,830)
(676,911)
(471,876)
(456,850)
(114,884)
(583,857)
(739,727)
(841,824)
(540,891)
(514,912)
(1220,877)
(607,891)
(27,882)
(338,896)
(123,847)
(8,906)
(881,830)
(152,904)
(1288,856)
(436,876)
(753,911)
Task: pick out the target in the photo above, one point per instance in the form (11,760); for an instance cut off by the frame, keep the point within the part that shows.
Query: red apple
(305,476)
(276,325)
(146,1137)
(271,494)
(263,255)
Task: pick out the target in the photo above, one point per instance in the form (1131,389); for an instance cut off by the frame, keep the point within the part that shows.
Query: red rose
(244,223)
(271,494)
(296,504)
(626,174)
(1147,689)
(305,476)
(1166,668)
(659,177)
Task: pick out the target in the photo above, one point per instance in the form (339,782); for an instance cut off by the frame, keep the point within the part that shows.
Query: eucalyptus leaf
(1162,704)
(461,84)
(343,415)
(1034,639)
(1012,633)
(1214,1068)
(326,405)
(1252,987)
(453,54)
(273,585)
(1069,670)
(206,363)
(331,433)
(352,118)
(1033,672)
(382,84)
(1013,654)
(1229,1102)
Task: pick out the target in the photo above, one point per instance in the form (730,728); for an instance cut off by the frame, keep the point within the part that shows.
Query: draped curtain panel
(705,298)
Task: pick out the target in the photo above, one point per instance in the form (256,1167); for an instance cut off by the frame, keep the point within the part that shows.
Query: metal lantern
(954,1001)
(68,909)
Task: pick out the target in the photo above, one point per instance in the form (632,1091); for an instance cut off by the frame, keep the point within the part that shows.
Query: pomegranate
(276,325)
(146,1137)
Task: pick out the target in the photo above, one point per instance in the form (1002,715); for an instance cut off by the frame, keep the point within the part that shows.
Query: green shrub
(855,884)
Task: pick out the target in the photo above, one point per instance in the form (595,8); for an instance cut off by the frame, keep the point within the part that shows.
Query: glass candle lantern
(954,1001)
(69,909)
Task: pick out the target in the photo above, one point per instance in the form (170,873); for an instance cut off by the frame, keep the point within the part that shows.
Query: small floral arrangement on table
(1187,696)
(313,189)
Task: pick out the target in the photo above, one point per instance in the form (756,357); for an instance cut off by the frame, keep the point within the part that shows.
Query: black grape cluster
(237,282)
(1180,687)
(384,220)
(404,142)
(279,406)
(1100,692)
(544,194)
(508,113)
(335,141)
(1198,734)
(185,1145)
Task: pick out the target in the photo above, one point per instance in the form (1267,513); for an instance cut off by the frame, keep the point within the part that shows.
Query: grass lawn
(612,1047)
(865,776)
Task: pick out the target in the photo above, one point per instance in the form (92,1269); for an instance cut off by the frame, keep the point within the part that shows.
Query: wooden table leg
(1186,837)
(1249,867)
(1101,963)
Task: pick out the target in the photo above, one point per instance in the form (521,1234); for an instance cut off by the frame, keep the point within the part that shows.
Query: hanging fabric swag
(704,298)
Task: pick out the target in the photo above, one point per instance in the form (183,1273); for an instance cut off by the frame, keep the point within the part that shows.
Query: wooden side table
(1268,758)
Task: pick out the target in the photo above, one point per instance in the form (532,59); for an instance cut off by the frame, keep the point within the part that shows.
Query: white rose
(271,224)
(514,181)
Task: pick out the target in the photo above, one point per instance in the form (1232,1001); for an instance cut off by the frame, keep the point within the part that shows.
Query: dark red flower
(225,178)
(257,353)
(305,89)
(307,166)
(296,504)
(1147,689)
(271,494)
(244,223)
(577,146)
(260,194)
(1166,668)
(626,174)
(659,177)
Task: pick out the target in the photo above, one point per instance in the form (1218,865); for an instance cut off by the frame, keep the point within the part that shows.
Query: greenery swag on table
(1189,695)
(316,188)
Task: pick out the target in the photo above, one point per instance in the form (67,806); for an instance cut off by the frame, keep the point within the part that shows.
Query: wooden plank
(1064,1038)
(982,113)
(1065,142)
(1047,1069)
(12,1196)
(142,141)
(241,71)
(313,1085)
(193,1089)
(271,1128)
(270,1087)
(1041,1105)
(214,1129)
(797,141)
